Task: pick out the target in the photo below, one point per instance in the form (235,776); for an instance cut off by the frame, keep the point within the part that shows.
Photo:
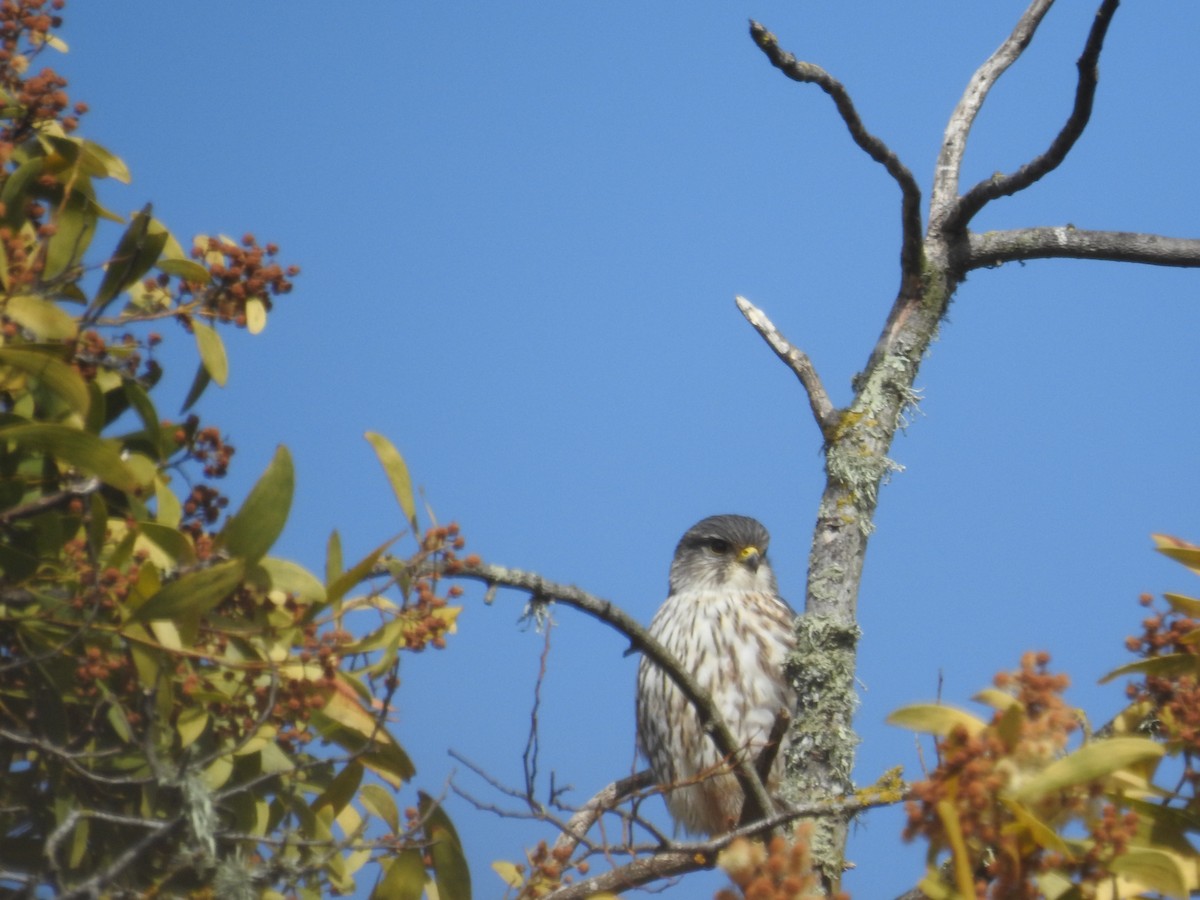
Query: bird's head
(727,552)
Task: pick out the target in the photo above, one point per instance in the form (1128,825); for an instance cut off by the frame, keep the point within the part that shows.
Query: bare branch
(992,248)
(641,641)
(808,73)
(50,501)
(958,129)
(796,360)
(1085,93)
(681,858)
(604,800)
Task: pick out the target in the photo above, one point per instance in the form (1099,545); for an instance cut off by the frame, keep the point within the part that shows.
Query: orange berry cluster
(1174,694)
(424,627)
(25,26)
(975,768)
(246,272)
(549,868)
(780,870)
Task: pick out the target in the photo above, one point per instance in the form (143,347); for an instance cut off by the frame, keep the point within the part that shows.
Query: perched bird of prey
(727,625)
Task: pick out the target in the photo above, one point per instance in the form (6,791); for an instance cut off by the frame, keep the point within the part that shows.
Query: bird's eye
(718,546)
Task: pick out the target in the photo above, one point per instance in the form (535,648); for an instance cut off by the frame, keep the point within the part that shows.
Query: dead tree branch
(958,129)
(680,858)
(993,248)
(808,73)
(1040,166)
(796,360)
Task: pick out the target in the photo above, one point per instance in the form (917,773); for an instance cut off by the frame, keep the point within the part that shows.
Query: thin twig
(796,360)
(681,858)
(808,73)
(1038,167)
(604,800)
(993,248)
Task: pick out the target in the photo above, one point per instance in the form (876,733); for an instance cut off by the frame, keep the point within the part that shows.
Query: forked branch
(808,73)
(1038,167)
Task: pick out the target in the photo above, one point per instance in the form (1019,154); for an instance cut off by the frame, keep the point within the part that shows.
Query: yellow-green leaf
(256,315)
(258,523)
(76,448)
(1042,834)
(397,473)
(403,877)
(1158,870)
(961,860)
(509,873)
(51,372)
(136,252)
(995,698)
(190,724)
(382,804)
(287,576)
(1163,666)
(1187,606)
(1088,763)
(46,319)
(193,594)
(187,269)
(341,790)
(348,579)
(1180,551)
(932,718)
(102,162)
(450,870)
(212,352)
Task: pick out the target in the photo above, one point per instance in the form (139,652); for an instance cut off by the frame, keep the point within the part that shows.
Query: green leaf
(1089,763)
(46,319)
(932,718)
(13,191)
(383,756)
(76,448)
(333,558)
(1165,666)
(172,541)
(199,383)
(136,252)
(193,594)
(382,804)
(101,162)
(397,473)
(450,870)
(187,269)
(361,570)
(75,224)
(403,877)
(287,576)
(341,790)
(52,372)
(256,526)
(1185,606)
(212,352)
(1158,870)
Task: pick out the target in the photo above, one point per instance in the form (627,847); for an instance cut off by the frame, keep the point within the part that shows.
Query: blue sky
(522,227)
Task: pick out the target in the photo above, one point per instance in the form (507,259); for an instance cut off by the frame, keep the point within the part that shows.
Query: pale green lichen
(820,757)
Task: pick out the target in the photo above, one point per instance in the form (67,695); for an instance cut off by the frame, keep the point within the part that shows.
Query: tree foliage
(181,713)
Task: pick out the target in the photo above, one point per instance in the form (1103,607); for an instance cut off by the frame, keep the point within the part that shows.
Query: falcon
(726,624)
